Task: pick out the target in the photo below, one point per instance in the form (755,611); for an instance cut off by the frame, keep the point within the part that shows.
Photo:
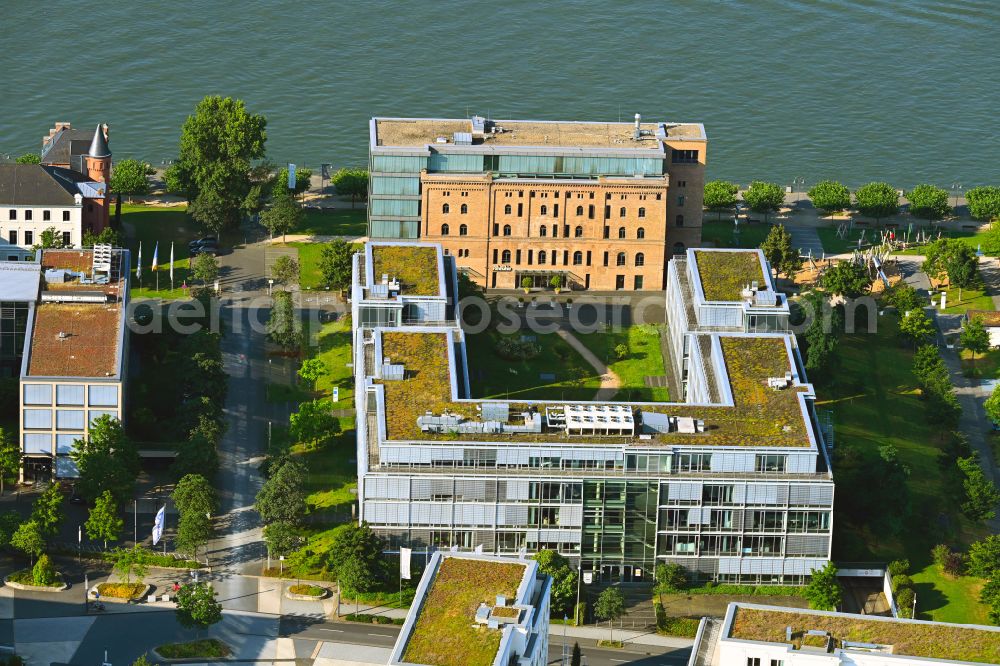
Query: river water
(868,89)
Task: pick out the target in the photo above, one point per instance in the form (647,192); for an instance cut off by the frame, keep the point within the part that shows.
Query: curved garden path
(610,382)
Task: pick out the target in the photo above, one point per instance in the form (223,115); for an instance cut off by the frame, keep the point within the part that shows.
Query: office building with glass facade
(732,480)
(594,205)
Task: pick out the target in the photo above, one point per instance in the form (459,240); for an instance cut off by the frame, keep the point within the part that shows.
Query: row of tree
(876,200)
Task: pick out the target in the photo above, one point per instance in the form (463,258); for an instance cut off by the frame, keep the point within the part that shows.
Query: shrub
(517,350)
(121,590)
(898,567)
(308,590)
(904,602)
(901,582)
(670,577)
(43,574)
(621,352)
(939,554)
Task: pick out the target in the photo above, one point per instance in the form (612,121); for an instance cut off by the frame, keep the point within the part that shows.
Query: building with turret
(67,192)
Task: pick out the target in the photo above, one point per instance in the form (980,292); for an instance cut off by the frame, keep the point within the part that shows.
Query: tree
(196,502)
(143,660)
(903,297)
(50,239)
(610,606)
(108,236)
(198,454)
(129,177)
(720,195)
(104,523)
(778,251)
(565,580)
(206,268)
(764,197)
(281,538)
(351,182)
(47,510)
(981,496)
(355,556)
(820,337)
(335,264)
(917,326)
(928,202)
(197,607)
(28,539)
(218,145)
(106,460)
(282,498)
(279,186)
(312,369)
(283,327)
(132,562)
(845,278)
(556,282)
(526,283)
(29,158)
(10,520)
(10,457)
(830,196)
(284,215)
(975,337)
(823,591)
(43,573)
(990,597)
(314,424)
(877,200)
(992,405)
(670,577)
(285,270)
(984,557)
(984,202)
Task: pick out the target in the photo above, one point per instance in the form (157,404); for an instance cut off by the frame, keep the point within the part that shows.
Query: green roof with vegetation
(724,274)
(445,633)
(761,416)
(937,641)
(415,267)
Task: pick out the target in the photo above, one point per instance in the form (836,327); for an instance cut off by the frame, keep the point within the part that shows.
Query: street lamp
(797,184)
(956,190)
(270,285)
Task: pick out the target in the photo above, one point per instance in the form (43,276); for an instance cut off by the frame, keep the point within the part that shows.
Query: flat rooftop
(19,281)
(445,632)
(912,638)
(725,273)
(759,415)
(426,131)
(414,266)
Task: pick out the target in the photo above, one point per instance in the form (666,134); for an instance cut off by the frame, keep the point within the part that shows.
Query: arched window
(578,232)
(544,210)
(542,230)
(640,259)
(541,256)
(446,209)
(507,209)
(506,230)
(679,248)
(642,212)
(465,209)
(577,258)
(445,229)
(505,257)
(679,220)
(463,230)
(621,232)
(579,210)
(621,212)
(620,261)
(640,233)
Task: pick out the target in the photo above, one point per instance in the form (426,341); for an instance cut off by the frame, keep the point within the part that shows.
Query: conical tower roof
(99,146)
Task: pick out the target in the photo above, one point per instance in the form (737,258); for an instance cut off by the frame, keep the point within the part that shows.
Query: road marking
(337,631)
(382,635)
(620,661)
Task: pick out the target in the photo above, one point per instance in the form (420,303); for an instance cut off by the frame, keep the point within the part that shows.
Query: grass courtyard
(715,233)
(875,402)
(333,222)
(150,225)
(645,359)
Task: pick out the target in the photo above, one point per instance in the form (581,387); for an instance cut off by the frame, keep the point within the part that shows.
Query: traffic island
(24,580)
(121,591)
(303,592)
(206,648)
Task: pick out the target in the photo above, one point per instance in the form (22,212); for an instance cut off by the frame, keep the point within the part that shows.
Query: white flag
(138,265)
(479,549)
(522,553)
(171,261)
(404,563)
(158,525)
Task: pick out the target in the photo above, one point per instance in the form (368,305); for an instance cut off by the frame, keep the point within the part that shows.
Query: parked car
(212,240)
(205,248)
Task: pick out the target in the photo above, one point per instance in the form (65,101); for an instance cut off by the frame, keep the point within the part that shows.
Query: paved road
(806,240)
(385,636)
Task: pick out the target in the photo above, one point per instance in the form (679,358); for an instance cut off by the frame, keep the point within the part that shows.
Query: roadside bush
(44,574)
(121,590)
(372,619)
(670,577)
(514,349)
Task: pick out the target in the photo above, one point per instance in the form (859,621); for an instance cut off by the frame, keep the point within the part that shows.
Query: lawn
(310,276)
(157,224)
(972,299)
(985,365)
(720,234)
(948,598)
(875,403)
(334,222)
(334,349)
(833,244)
(971,238)
(645,359)
(557,372)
